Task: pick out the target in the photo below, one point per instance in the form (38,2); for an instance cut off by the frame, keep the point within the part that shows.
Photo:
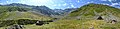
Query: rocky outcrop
(109,17)
(39,23)
(16,27)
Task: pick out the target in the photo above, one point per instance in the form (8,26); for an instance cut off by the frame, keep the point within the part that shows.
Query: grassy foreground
(75,24)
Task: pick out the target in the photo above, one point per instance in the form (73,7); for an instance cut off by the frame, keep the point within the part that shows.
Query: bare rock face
(16,27)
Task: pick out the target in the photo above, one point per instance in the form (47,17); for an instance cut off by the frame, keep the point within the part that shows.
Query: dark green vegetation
(19,22)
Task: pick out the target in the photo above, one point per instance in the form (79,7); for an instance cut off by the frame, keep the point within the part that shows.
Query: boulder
(16,27)
(39,23)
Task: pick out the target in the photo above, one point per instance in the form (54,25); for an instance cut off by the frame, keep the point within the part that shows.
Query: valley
(89,16)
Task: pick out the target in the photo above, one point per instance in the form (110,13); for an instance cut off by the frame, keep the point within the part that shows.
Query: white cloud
(37,2)
(88,2)
(54,5)
(7,1)
(1,3)
(103,0)
(113,4)
(78,1)
(70,3)
(11,0)
(111,0)
(92,2)
(104,4)
(59,4)
(72,6)
(64,4)
(68,7)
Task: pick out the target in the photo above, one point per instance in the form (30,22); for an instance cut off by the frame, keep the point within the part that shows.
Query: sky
(62,4)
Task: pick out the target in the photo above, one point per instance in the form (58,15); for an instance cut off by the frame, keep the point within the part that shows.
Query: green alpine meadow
(89,16)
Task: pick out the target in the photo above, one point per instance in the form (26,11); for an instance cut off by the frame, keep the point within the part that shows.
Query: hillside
(9,15)
(13,12)
(90,9)
(91,16)
(94,10)
(5,10)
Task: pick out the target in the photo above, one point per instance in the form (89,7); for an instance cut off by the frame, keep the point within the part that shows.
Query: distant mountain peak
(42,9)
(16,4)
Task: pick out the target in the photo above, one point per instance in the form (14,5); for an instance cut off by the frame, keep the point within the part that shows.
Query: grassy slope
(99,8)
(16,13)
(76,24)
(88,10)
(4,10)
(27,15)
(11,13)
(84,23)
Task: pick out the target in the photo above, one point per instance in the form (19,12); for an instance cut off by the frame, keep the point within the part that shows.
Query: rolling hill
(90,16)
(93,11)
(9,15)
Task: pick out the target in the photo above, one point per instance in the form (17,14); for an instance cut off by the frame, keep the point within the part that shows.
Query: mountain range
(89,16)
(43,9)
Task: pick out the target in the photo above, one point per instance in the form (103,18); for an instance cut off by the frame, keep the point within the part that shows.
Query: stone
(113,21)
(39,23)
(99,18)
(16,27)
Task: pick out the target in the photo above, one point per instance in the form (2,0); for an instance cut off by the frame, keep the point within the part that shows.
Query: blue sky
(62,4)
